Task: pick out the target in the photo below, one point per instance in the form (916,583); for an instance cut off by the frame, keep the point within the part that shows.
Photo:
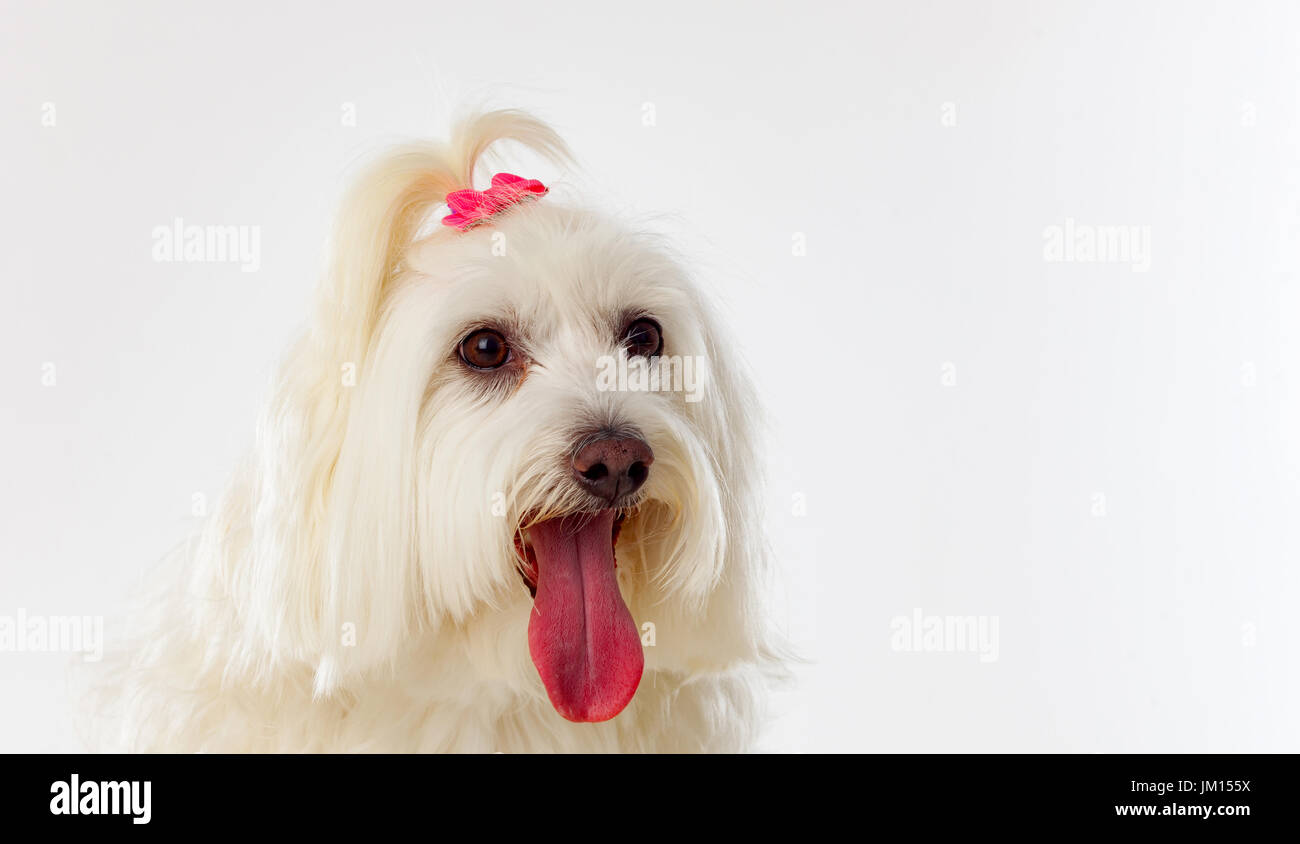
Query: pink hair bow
(472,207)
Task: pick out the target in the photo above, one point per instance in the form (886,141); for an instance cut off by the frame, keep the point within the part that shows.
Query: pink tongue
(581,635)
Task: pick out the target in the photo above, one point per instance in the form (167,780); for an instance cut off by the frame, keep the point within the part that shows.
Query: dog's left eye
(643,337)
(484,349)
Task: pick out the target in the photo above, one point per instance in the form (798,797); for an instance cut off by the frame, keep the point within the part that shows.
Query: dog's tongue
(581,635)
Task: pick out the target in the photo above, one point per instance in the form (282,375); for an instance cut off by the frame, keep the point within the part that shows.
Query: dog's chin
(581,635)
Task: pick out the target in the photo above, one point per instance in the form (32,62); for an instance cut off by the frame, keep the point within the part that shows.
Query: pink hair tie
(471,207)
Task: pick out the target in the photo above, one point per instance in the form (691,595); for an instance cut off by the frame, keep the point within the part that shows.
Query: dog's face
(563,437)
(539,458)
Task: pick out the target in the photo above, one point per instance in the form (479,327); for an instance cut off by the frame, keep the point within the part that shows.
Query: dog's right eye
(484,349)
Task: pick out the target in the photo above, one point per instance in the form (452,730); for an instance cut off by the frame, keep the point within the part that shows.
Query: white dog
(457,530)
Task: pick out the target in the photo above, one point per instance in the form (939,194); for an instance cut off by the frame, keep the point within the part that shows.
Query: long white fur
(357,590)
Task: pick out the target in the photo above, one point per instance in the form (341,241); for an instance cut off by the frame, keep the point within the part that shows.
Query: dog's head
(532,434)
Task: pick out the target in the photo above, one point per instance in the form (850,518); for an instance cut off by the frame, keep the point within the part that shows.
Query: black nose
(613,467)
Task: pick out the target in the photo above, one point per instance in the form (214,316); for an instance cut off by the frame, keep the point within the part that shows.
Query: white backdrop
(1100,460)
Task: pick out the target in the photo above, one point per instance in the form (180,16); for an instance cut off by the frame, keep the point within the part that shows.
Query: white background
(1166,622)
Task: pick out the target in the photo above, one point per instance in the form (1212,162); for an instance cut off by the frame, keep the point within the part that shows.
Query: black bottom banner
(1218,794)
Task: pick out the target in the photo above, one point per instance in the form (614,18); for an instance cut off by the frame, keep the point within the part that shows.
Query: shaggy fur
(358,587)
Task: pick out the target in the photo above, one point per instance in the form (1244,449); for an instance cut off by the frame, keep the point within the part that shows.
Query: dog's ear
(326,573)
(720,604)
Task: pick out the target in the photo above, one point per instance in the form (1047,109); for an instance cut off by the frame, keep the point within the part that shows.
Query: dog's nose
(613,467)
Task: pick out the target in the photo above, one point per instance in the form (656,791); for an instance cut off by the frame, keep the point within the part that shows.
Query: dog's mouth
(581,635)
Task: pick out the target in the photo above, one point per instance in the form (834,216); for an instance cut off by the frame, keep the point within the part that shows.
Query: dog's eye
(643,337)
(484,349)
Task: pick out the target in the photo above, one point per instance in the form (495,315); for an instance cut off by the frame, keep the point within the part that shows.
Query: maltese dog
(504,497)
